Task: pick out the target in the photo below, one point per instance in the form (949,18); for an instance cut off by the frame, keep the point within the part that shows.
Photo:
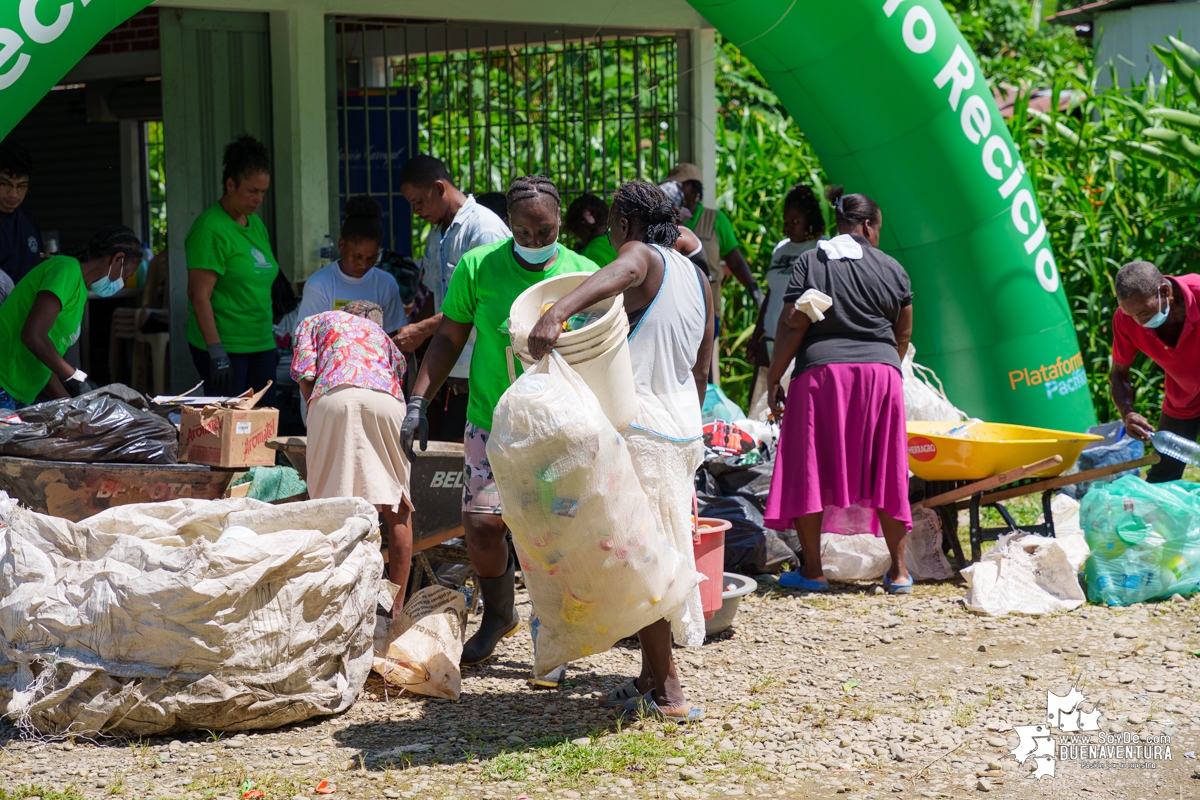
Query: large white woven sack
(924,398)
(137,622)
(596,565)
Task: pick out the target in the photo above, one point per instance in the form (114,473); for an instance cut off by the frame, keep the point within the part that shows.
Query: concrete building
(343,91)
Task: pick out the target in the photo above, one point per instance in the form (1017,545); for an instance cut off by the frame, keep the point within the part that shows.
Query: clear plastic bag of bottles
(597,566)
(1144,538)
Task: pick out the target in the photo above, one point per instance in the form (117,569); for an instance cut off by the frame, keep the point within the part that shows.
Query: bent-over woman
(843,439)
(350,375)
(670,341)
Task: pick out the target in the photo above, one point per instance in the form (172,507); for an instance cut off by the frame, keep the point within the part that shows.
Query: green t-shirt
(246,268)
(22,374)
(726,238)
(485,283)
(600,251)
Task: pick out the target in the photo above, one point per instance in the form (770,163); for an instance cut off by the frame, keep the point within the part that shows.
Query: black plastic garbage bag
(750,549)
(751,481)
(109,425)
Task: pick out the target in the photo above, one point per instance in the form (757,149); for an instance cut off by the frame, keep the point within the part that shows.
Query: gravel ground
(854,695)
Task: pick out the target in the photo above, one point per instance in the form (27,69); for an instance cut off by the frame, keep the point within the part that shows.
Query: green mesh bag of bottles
(1144,538)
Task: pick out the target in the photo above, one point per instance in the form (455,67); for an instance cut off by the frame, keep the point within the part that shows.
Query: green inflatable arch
(895,105)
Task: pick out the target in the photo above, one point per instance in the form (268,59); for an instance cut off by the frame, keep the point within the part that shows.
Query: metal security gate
(590,109)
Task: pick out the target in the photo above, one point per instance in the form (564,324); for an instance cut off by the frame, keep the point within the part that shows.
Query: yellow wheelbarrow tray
(967,451)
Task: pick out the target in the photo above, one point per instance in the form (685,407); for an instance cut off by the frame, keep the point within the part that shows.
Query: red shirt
(1180,364)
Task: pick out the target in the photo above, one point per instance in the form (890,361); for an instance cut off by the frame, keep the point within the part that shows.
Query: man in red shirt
(1158,316)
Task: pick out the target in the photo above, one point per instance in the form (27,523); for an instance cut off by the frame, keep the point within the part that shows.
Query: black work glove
(220,371)
(78,384)
(416,426)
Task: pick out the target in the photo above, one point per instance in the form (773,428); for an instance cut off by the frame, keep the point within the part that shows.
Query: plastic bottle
(1177,447)
(327,251)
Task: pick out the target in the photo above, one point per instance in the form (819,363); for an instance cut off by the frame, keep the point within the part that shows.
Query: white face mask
(1158,319)
(107,286)
(536,255)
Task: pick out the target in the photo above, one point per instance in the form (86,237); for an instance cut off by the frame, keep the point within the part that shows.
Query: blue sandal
(901,587)
(794,580)
(644,707)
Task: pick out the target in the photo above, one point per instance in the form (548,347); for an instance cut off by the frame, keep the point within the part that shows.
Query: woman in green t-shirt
(230,272)
(42,316)
(485,283)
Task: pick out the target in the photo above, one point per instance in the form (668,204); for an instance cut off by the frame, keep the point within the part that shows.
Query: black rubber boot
(500,618)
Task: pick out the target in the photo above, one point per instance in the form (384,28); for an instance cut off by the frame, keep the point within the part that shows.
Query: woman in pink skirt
(847,321)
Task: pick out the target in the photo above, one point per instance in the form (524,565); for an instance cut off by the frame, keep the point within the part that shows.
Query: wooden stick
(1068,480)
(989,483)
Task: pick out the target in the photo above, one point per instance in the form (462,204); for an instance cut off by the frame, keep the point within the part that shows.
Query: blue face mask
(536,255)
(1158,319)
(106,286)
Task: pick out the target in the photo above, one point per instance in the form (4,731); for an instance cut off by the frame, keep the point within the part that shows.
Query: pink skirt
(843,444)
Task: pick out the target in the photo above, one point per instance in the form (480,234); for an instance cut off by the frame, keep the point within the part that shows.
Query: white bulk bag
(924,398)
(136,622)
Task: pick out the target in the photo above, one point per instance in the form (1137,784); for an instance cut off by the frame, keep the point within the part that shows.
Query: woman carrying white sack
(351,376)
(669,304)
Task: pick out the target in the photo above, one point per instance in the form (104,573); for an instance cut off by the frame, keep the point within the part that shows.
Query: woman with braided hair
(847,319)
(42,316)
(479,297)
(669,303)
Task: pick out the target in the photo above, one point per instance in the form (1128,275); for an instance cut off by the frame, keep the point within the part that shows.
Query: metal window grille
(154,185)
(589,109)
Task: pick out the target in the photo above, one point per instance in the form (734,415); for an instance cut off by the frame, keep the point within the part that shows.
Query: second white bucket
(602,359)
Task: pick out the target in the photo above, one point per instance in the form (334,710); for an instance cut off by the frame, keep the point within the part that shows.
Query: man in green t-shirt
(479,297)
(42,316)
(715,232)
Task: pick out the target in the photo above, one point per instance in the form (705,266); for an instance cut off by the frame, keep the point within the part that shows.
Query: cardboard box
(228,434)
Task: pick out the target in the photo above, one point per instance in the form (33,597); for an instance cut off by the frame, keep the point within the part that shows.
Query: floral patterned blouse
(335,349)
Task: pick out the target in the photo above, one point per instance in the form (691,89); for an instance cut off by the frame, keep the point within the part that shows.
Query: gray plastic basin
(730,600)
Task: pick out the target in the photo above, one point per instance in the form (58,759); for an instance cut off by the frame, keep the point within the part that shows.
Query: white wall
(1124,38)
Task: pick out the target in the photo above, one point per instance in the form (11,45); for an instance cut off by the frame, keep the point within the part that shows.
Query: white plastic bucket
(597,344)
(527,309)
(599,352)
(609,374)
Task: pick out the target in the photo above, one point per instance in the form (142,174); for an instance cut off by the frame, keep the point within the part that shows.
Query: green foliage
(1011,44)
(156,184)
(761,152)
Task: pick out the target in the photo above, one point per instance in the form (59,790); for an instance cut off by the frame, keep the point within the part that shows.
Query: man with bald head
(1158,315)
